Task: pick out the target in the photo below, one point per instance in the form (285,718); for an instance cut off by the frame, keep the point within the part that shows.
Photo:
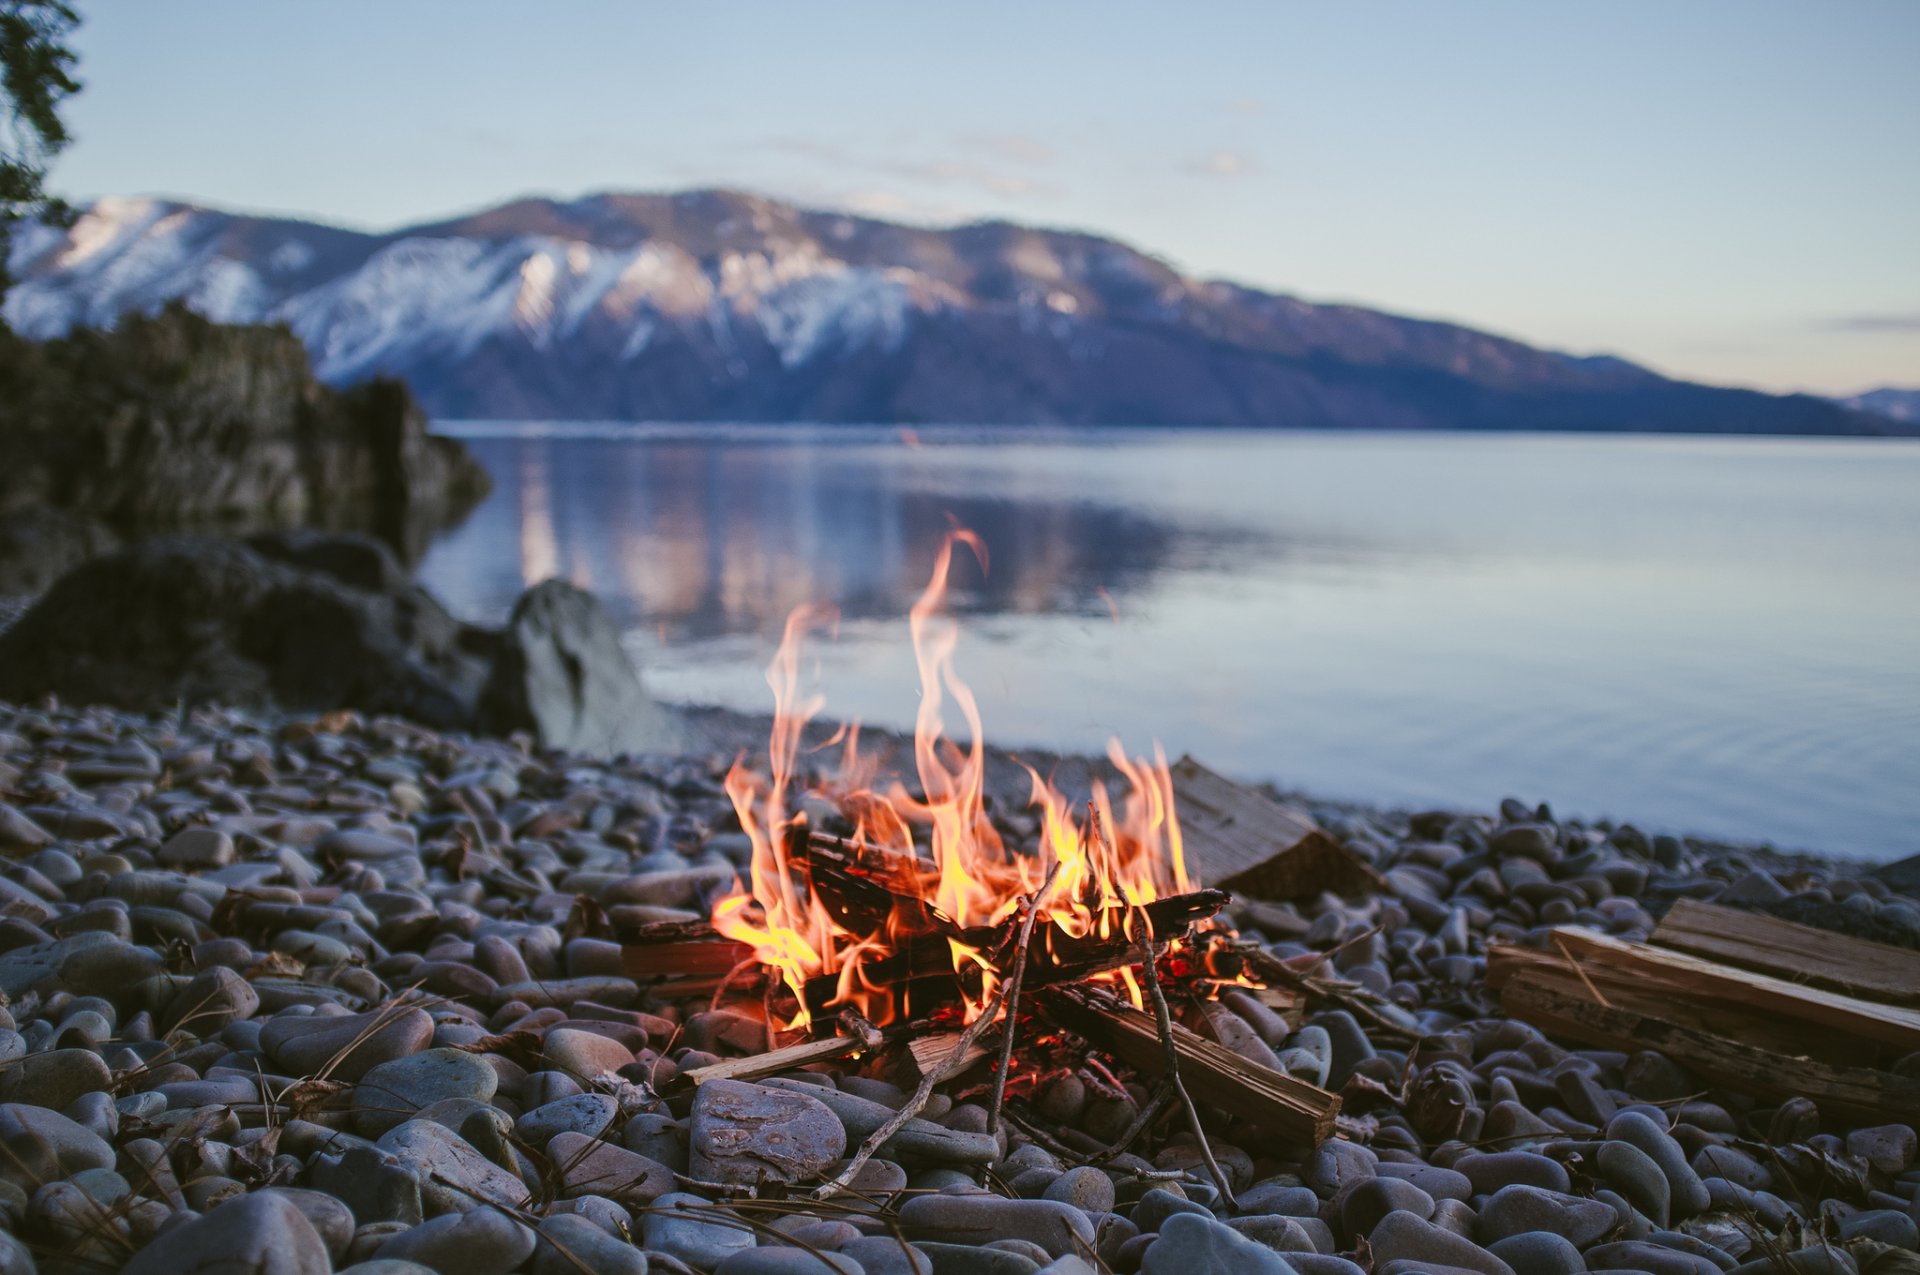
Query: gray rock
(91,963)
(1363,1204)
(1337,1162)
(1086,1188)
(971,1259)
(682,1226)
(975,1219)
(454,1178)
(1686,1193)
(331,1220)
(919,1141)
(1440,1183)
(561,672)
(1159,1204)
(478,1242)
(1889,1226)
(54,1078)
(884,1255)
(1640,1255)
(1539,1253)
(1190,1244)
(591,1167)
(37,1146)
(259,1234)
(1350,1045)
(1888,1147)
(197,848)
(393,1092)
(1490,1171)
(584,1054)
(787,1261)
(1405,1236)
(1516,1210)
(749,1133)
(569,1244)
(592,1114)
(347,1046)
(1637,1177)
(374,1186)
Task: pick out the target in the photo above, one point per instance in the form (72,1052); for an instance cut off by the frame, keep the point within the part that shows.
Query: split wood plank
(1798,953)
(1279,1104)
(1241,840)
(1572,1013)
(933,1051)
(775,1061)
(1892,1025)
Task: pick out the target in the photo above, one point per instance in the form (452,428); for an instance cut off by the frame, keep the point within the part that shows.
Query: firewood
(1719,1000)
(679,947)
(933,1051)
(1282,1106)
(1056,957)
(1859,1092)
(1799,953)
(775,1061)
(1246,842)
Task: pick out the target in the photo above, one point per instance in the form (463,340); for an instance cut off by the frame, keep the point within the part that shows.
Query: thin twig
(1013,999)
(949,1066)
(1143,938)
(1149,1113)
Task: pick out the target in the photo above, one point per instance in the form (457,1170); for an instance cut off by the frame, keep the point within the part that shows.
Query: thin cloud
(1248,106)
(1873,323)
(1012,148)
(1223,164)
(989,178)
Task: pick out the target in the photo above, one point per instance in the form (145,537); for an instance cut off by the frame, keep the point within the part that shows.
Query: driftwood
(1755,1009)
(1862,1092)
(1798,953)
(937,1050)
(1244,841)
(1280,1105)
(684,948)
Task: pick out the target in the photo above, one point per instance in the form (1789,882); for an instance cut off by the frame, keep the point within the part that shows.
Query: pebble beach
(292,995)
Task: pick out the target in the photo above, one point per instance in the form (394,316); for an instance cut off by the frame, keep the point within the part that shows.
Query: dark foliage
(36,75)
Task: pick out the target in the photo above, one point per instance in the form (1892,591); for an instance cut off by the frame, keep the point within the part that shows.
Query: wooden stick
(915,1104)
(1013,997)
(775,1061)
(1280,1105)
(1143,936)
(930,1052)
(1798,953)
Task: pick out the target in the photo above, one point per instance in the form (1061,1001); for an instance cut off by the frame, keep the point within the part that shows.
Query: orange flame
(974,880)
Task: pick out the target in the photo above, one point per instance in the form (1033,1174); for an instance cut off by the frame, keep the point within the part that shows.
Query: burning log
(1247,842)
(691,948)
(927,960)
(1820,958)
(1282,1106)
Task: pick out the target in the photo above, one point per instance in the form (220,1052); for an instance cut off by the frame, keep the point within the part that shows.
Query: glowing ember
(973,880)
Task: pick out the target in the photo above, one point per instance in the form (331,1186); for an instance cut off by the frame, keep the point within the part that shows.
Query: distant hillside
(712,306)
(1899,405)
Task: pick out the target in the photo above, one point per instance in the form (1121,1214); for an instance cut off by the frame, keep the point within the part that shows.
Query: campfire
(874,911)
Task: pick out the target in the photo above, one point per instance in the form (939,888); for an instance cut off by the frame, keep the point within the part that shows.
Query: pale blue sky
(1724,189)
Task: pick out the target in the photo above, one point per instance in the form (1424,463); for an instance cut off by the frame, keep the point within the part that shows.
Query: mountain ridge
(713,305)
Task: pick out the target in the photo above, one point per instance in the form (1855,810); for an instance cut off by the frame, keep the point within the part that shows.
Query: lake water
(1717,636)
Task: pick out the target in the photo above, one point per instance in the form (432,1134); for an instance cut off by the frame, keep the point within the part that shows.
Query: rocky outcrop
(298,621)
(561,673)
(174,421)
(314,621)
(38,546)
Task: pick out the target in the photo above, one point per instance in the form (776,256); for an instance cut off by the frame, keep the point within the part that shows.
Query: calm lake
(1717,636)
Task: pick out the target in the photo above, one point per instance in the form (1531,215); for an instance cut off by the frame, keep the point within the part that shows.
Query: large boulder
(300,621)
(561,672)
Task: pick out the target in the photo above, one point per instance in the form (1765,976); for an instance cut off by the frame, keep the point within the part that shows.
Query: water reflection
(702,538)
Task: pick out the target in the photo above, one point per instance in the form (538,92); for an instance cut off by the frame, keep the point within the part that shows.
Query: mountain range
(717,306)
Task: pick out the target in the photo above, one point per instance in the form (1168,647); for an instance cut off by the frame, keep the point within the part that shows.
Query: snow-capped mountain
(712,305)
(1896,404)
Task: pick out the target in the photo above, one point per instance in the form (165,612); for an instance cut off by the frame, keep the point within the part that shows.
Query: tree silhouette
(36,75)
